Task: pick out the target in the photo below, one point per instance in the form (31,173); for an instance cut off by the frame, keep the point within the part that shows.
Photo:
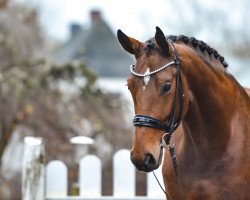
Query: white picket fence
(90,169)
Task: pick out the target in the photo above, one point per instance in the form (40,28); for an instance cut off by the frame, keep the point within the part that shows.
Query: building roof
(98,46)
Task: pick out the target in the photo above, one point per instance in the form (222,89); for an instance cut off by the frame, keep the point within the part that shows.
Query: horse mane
(201,45)
(194,43)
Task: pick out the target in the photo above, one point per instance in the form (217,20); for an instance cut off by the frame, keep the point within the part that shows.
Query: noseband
(172,124)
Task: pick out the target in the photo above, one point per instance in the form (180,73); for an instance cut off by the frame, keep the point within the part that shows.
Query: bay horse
(184,95)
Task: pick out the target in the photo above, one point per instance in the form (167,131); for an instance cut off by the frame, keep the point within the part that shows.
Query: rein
(172,124)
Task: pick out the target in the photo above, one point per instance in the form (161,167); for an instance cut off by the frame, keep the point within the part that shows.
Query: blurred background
(63,73)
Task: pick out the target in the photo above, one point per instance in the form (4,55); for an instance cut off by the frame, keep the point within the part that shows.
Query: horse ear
(131,45)
(161,41)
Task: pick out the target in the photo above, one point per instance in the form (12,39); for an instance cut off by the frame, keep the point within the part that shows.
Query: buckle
(165,141)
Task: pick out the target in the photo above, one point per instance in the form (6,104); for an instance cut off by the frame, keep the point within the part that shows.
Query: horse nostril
(149,162)
(149,159)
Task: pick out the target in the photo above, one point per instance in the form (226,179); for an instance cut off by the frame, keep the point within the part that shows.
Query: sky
(129,15)
(135,17)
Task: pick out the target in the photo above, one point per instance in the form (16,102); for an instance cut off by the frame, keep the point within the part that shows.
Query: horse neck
(214,98)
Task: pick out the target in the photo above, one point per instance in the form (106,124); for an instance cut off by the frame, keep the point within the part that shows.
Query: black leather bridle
(173,123)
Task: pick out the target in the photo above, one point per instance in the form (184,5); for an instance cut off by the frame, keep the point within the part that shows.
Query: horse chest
(214,187)
(208,190)
(199,190)
(205,183)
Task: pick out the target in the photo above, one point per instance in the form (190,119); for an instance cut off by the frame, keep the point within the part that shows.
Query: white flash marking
(146,78)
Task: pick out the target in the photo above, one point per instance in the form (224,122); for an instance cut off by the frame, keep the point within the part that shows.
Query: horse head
(160,95)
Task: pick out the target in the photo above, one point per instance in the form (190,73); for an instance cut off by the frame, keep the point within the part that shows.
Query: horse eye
(166,89)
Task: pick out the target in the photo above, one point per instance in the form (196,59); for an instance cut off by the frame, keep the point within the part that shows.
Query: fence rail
(90,173)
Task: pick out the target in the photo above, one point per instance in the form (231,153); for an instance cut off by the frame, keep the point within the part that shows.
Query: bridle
(172,124)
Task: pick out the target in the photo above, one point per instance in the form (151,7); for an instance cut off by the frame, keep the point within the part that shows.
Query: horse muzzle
(146,163)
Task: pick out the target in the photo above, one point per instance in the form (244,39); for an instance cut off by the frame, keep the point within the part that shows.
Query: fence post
(33,169)
(90,176)
(56,179)
(124,174)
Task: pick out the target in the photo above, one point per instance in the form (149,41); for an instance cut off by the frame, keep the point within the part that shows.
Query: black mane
(201,45)
(191,41)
